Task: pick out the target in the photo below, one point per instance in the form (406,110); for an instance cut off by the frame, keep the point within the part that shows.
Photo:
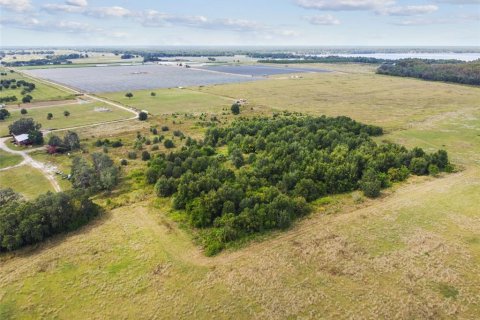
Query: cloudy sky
(240,22)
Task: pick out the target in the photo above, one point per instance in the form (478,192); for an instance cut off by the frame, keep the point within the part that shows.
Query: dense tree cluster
(28,126)
(102,174)
(29,222)
(50,59)
(8,99)
(4,114)
(436,70)
(70,142)
(274,167)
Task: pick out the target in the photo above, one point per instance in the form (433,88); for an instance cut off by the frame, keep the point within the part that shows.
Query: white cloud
(61,26)
(77,3)
(325,19)
(102,12)
(16,5)
(408,10)
(459,1)
(344,5)
(66,8)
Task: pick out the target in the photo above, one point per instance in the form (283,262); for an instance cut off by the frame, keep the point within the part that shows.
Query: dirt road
(27,160)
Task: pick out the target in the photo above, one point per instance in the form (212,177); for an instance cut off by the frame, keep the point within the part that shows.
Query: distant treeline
(29,222)
(436,70)
(312,59)
(61,59)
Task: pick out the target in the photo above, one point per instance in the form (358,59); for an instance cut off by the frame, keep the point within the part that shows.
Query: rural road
(27,160)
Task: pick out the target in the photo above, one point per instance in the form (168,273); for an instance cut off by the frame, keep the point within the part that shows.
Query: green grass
(80,114)
(42,92)
(172,100)
(25,180)
(391,102)
(8,159)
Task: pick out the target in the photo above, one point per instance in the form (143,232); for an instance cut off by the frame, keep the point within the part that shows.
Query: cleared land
(80,114)
(25,180)
(152,76)
(413,254)
(172,100)
(42,92)
(8,159)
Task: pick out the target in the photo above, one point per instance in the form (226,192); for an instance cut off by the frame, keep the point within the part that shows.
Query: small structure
(2,106)
(21,139)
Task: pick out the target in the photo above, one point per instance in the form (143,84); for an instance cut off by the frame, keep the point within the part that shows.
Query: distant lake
(394,56)
(152,76)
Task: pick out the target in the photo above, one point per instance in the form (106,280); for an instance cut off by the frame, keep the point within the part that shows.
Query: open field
(25,180)
(42,92)
(412,254)
(8,159)
(154,76)
(80,114)
(171,100)
(390,102)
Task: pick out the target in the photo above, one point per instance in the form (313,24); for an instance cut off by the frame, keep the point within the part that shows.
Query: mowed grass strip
(8,159)
(171,100)
(28,181)
(42,92)
(80,114)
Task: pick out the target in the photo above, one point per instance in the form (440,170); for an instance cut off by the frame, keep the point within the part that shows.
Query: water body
(137,77)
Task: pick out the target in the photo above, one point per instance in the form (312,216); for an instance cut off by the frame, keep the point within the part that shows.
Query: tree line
(274,168)
(29,222)
(299,59)
(436,70)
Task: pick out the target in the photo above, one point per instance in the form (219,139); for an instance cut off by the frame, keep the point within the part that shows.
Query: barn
(21,139)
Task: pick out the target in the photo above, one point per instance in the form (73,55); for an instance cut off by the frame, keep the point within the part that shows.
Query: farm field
(8,159)
(42,92)
(414,253)
(153,76)
(80,114)
(27,181)
(171,100)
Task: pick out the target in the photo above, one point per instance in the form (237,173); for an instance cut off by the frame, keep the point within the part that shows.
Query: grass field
(42,92)
(8,159)
(172,100)
(25,180)
(80,114)
(412,254)
(367,97)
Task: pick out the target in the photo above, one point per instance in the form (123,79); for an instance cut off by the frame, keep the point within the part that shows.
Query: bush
(165,128)
(169,144)
(155,148)
(235,108)
(371,184)
(142,116)
(23,111)
(145,156)
(132,155)
(124,162)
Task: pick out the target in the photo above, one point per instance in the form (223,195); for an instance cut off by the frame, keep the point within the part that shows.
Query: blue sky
(240,22)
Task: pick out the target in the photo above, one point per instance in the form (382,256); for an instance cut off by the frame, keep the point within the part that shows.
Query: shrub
(169,144)
(132,155)
(235,108)
(23,111)
(142,116)
(145,155)
(124,162)
(165,128)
